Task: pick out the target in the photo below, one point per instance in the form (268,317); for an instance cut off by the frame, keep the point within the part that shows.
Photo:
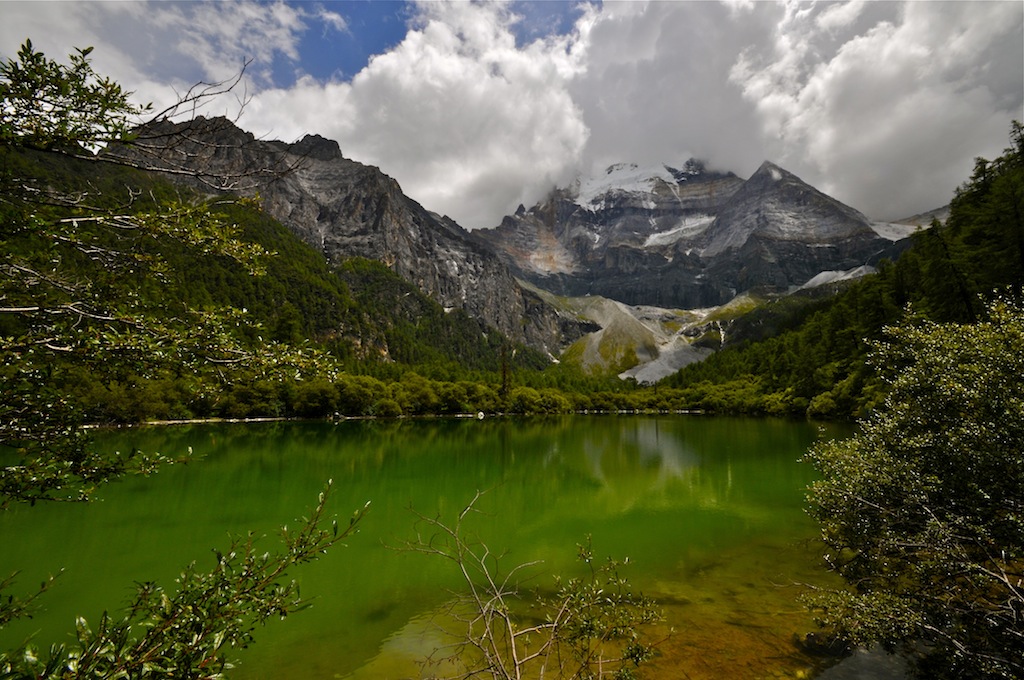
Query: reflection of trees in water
(731,465)
(627,459)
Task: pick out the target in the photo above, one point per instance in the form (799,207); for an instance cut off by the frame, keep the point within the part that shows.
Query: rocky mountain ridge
(347,209)
(685,238)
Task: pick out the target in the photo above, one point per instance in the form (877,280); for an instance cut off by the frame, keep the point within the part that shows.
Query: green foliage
(49,105)
(922,509)
(58,325)
(527,400)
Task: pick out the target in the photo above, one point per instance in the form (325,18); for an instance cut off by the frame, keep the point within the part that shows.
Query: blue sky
(374,27)
(476,107)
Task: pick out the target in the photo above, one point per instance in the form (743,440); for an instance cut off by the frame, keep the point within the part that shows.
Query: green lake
(709,512)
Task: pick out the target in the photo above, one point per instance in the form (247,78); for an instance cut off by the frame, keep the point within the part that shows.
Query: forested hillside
(814,358)
(365,317)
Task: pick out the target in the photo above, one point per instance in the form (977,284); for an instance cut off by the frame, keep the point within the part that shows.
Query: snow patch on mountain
(825,278)
(628,178)
(893,231)
(688,227)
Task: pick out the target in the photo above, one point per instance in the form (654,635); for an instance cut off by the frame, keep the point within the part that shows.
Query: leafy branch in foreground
(83,280)
(188,633)
(84,291)
(49,105)
(590,628)
(12,608)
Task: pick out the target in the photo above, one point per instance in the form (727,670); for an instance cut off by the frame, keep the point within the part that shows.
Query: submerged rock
(869,664)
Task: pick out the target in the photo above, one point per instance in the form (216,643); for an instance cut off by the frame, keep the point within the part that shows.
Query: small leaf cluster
(53,106)
(601,613)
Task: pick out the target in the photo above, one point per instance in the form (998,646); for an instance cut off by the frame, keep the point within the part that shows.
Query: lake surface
(709,512)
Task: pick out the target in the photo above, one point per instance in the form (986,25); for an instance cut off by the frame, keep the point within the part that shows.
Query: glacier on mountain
(895,232)
(835,276)
(629,178)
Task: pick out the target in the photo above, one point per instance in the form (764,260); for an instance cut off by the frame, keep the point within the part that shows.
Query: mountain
(777,232)
(623,235)
(346,209)
(689,237)
(658,238)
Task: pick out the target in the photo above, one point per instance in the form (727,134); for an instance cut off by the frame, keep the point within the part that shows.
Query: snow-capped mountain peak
(629,178)
(684,235)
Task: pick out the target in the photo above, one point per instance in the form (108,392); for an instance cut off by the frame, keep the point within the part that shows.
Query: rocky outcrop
(347,209)
(776,205)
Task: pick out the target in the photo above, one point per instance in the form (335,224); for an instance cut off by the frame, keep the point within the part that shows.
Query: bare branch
(589,625)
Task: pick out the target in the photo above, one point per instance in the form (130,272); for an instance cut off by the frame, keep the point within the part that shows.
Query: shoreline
(480,415)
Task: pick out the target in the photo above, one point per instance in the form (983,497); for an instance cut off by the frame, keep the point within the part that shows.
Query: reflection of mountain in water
(647,463)
(644,445)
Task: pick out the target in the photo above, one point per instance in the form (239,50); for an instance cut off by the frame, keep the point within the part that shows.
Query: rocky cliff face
(346,209)
(685,237)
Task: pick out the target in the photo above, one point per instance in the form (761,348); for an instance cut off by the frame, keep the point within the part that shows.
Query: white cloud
(839,15)
(890,119)
(332,19)
(468,123)
(885,105)
(221,36)
(656,85)
(308,107)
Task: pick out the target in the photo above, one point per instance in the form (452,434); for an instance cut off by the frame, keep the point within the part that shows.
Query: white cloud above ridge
(655,86)
(222,36)
(896,112)
(883,105)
